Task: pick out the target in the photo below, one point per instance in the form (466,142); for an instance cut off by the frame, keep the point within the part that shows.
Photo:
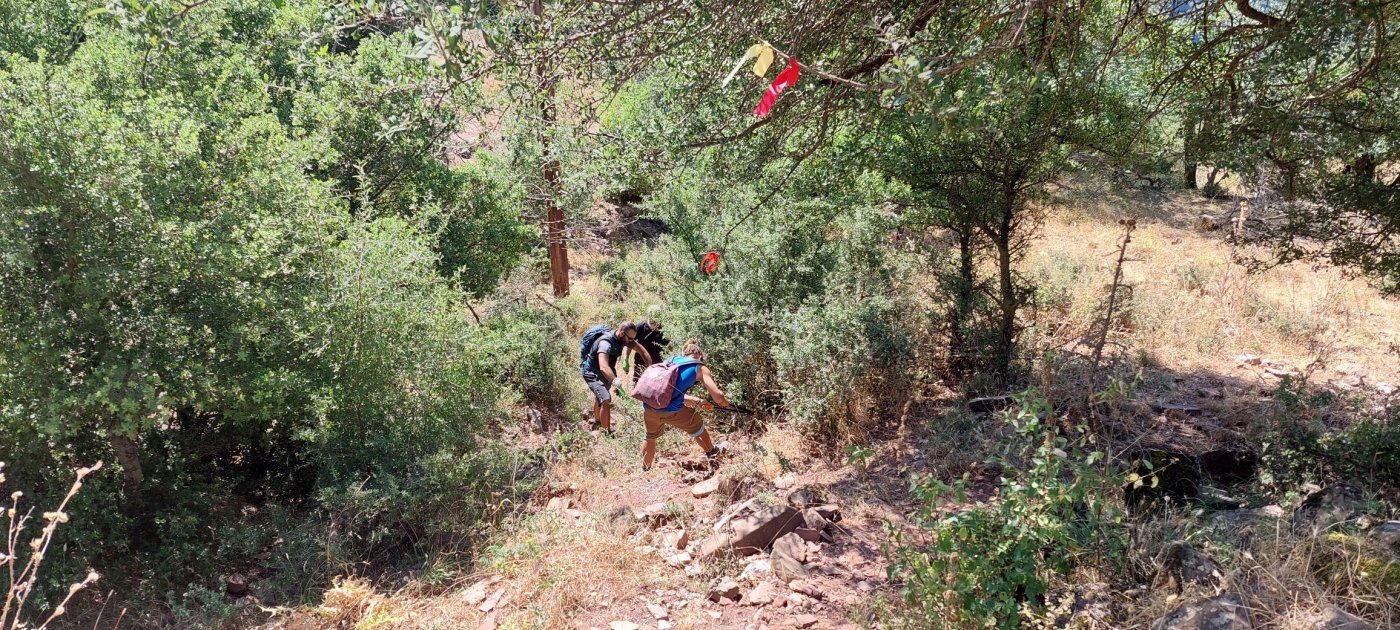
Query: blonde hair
(692,348)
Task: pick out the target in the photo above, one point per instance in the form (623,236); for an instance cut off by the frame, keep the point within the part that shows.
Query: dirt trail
(598,549)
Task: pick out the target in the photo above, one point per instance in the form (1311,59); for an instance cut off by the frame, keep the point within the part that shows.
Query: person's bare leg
(605,415)
(648,453)
(704,441)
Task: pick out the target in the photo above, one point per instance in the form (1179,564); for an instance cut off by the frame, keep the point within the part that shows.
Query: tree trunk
(1006,338)
(959,355)
(129,456)
(1188,155)
(554,215)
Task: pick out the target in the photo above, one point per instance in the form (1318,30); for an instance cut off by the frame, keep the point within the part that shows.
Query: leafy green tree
(233,245)
(976,148)
(1297,99)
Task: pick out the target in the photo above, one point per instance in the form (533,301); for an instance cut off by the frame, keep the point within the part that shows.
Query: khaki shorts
(684,419)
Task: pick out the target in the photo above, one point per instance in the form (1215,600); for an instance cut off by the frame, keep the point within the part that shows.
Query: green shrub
(989,563)
(808,310)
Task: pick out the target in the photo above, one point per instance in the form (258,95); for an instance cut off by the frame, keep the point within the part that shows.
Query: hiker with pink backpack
(662,389)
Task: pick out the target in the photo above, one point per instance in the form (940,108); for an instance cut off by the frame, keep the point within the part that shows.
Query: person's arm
(606,369)
(716,394)
(638,349)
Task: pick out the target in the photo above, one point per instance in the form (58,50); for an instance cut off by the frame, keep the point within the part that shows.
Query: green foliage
(806,310)
(986,564)
(529,351)
(231,264)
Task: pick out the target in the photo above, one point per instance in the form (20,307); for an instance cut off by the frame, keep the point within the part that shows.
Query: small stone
(1225,612)
(705,488)
(663,625)
(236,585)
(476,593)
(1387,534)
(714,614)
(1334,618)
(693,569)
(726,588)
(785,481)
(864,586)
(679,560)
(491,601)
(807,588)
(762,595)
(624,625)
(677,540)
(808,534)
(788,554)
(657,611)
(755,569)
(805,621)
(829,512)
(1184,566)
(489,622)
(559,504)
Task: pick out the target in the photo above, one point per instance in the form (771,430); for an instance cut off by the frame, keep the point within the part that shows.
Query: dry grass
(1288,579)
(1192,306)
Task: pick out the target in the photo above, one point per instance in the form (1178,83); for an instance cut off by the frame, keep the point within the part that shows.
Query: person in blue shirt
(682,413)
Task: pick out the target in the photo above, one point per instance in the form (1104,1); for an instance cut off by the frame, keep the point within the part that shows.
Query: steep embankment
(604,544)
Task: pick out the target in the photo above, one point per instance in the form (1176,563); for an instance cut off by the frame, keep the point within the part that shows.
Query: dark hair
(626,326)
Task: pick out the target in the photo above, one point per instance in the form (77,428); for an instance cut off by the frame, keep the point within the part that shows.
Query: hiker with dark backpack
(662,390)
(601,346)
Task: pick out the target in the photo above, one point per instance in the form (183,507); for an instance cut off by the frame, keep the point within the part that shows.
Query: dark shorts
(597,386)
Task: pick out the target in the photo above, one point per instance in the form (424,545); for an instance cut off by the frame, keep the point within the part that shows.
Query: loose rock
(1387,535)
(677,540)
(1334,618)
(829,512)
(657,611)
(1184,566)
(807,588)
(1225,612)
(805,621)
(747,535)
(679,560)
(476,593)
(1327,507)
(236,585)
(726,588)
(789,552)
(762,595)
(705,488)
(624,625)
(491,601)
